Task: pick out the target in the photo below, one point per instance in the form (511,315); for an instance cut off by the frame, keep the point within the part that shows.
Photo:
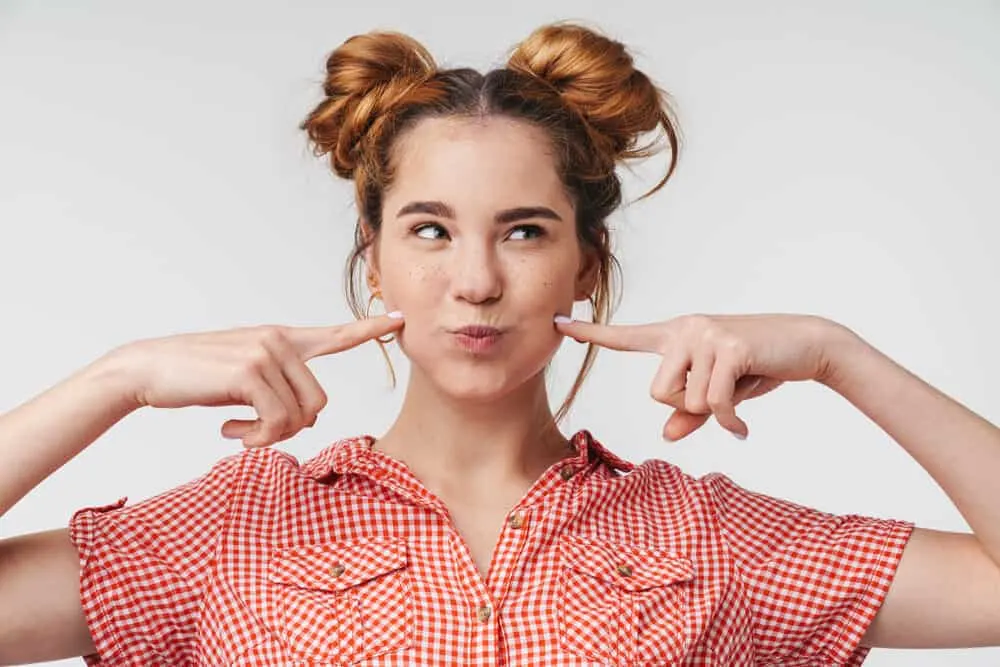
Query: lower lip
(477,344)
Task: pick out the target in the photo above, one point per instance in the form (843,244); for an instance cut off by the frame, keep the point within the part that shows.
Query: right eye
(431,231)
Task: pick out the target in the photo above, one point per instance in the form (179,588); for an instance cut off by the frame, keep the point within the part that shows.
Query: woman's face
(478,249)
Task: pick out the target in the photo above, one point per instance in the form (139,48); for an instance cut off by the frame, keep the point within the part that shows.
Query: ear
(586,277)
(370,239)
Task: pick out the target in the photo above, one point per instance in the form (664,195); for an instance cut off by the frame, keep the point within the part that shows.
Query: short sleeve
(143,568)
(814,581)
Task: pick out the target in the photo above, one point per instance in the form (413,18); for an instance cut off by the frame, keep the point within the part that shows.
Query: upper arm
(41,617)
(144,568)
(945,594)
(121,583)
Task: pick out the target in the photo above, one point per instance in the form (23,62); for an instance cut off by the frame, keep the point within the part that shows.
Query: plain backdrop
(840,159)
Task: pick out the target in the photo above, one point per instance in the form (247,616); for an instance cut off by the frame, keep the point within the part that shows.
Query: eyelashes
(433,231)
(421,229)
(534,231)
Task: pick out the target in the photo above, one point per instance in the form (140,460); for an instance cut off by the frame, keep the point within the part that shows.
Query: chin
(476,384)
(479,382)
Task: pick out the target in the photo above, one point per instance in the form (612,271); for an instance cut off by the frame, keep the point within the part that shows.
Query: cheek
(542,296)
(548,290)
(415,291)
(408,289)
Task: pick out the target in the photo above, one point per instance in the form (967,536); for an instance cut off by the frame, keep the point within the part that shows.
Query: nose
(476,272)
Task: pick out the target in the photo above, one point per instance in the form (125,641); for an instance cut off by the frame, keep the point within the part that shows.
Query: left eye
(526,232)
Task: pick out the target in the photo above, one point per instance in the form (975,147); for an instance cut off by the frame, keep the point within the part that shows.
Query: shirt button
(483,613)
(515,520)
(337,570)
(567,472)
(624,570)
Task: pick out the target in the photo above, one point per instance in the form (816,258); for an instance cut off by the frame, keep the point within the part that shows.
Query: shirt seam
(236,487)
(740,574)
(871,610)
(98,597)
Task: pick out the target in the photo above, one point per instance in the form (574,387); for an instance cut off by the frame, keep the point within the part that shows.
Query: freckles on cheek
(421,272)
(410,290)
(556,290)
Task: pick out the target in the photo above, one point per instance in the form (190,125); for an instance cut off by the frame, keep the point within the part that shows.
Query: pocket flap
(627,566)
(336,566)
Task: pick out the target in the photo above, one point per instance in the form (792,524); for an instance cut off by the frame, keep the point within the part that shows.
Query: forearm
(40,436)
(960,449)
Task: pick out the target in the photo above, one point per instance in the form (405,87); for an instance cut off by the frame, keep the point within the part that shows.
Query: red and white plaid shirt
(349,559)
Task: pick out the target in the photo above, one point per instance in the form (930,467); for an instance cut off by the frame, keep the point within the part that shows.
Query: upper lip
(478,331)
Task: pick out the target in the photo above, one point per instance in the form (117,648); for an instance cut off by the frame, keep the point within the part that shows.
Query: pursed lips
(478,331)
(477,338)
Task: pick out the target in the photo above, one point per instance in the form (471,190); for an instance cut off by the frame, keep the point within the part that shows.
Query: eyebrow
(442,210)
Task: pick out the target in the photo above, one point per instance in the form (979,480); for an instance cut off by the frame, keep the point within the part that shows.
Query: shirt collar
(356,455)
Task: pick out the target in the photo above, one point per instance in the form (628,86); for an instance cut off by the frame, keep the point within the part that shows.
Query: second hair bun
(596,76)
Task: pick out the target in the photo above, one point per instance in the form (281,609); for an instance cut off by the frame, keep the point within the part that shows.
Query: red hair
(577,85)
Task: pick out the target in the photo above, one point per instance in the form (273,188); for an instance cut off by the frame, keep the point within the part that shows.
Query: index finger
(626,337)
(318,341)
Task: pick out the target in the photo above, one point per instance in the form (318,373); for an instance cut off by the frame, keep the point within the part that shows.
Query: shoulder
(654,503)
(269,465)
(657,476)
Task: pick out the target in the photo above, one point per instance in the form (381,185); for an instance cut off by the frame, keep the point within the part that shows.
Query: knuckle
(731,345)
(695,405)
(278,339)
(735,350)
(315,406)
(697,322)
(259,358)
(270,333)
(666,394)
(718,403)
(271,336)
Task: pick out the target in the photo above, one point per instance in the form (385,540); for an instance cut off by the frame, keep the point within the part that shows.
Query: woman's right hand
(262,366)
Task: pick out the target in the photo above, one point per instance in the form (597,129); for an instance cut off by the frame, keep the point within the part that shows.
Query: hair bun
(366,78)
(596,76)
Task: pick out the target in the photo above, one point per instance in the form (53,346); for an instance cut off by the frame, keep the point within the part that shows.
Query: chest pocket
(343,602)
(623,605)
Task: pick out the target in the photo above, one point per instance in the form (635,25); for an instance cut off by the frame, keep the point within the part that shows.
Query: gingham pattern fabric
(349,559)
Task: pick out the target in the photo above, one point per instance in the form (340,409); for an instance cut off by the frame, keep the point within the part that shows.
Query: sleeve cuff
(84,533)
(845,648)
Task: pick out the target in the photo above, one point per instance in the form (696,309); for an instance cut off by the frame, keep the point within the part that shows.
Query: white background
(840,159)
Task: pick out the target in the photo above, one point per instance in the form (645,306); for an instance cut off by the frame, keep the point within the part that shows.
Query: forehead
(486,158)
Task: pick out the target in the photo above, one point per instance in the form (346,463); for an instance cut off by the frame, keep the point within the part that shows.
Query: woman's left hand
(711,363)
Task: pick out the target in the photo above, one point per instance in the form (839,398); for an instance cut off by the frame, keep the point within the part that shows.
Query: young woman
(473,532)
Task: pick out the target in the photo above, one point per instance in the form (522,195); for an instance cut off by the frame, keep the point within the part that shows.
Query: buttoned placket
(484,597)
(488,642)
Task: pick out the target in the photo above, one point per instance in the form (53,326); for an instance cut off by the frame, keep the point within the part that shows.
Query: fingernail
(738,436)
(562,319)
(396,314)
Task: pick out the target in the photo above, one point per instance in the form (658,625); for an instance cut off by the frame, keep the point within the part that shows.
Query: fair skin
(475,420)
(476,427)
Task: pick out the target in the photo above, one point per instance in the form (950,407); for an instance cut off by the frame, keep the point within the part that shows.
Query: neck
(467,445)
